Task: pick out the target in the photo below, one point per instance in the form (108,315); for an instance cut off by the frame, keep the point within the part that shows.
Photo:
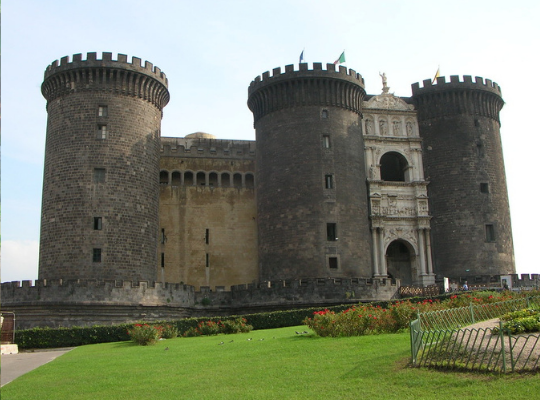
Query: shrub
(395,317)
(521,321)
(210,327)
(169,332)
(145,334)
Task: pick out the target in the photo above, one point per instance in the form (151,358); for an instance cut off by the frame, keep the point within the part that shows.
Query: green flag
(341,58)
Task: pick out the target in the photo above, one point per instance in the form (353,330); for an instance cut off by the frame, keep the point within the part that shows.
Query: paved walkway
(15,365)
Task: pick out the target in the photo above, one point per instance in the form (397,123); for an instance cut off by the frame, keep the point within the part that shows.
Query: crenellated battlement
(456,84)
(342,88)
(303,72)
(479,98)
(106,61)
(205,147)
(106,74)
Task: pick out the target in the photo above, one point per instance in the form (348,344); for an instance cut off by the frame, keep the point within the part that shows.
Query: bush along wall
(38,338)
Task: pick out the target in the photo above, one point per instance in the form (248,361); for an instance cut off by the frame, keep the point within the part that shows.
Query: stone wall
(85,303)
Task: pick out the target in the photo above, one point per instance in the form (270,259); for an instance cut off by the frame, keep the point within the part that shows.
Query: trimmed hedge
(38,338)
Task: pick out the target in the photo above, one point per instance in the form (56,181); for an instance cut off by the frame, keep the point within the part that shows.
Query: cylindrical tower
(311,182)
(101,180)
(460,128)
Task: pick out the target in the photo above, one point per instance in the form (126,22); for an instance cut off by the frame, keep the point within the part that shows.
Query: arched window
(225,179)
(201,178)
(213,179)
(393,167)
(163,177)
(237,180)
(176,178)
(188,178)
(250,181)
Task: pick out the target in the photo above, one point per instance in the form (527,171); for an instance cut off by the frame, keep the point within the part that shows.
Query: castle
(343,194)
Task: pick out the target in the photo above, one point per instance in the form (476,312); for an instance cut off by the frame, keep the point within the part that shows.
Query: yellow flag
(437,74)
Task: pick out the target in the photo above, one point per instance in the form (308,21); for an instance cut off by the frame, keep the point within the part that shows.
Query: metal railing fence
(463,316)
(439,341)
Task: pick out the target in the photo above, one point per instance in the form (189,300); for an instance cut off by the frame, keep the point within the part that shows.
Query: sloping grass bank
(274,364)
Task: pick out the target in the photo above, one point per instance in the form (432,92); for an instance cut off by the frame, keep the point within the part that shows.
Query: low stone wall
(85,303)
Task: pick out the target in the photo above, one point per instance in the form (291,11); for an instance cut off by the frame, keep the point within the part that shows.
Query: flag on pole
(301,56)
(341,59)
(437,74)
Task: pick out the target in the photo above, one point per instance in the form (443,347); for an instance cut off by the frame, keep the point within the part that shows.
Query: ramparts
(455,83)
(202,147)
(118,76)
(478,98)
(89,302)
(342,88)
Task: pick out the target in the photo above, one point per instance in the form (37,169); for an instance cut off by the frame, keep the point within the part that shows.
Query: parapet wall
(303,72)
(95,292)
(478,98)
(455,83)
(343,88)
(90,302)
(202,147)
(106,61)
(116,76)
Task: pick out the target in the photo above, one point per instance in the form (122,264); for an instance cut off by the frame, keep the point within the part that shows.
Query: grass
(282,366)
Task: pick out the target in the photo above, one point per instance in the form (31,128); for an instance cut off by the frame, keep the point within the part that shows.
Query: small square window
(102,132)
(329,181)
(326,141)
(332,262)
(490,233)
(99,175)
(484,187)
(480,150)
(103,111)
(96,255)
(331,232)
(98,223)
(324,114)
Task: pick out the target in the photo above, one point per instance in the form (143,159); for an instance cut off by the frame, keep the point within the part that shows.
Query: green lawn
(282,366)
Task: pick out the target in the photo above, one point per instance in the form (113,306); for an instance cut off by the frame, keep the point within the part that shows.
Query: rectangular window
(97,223)
(331,232)
(332,262)
(103,111)
(96,255)
(480,149)
(102,132)
(163,238)
(207,236)
(207,260)
(326,141)
(490,233)
(329,181)
(99,175)
(324,114)
(162,260)
(484,187)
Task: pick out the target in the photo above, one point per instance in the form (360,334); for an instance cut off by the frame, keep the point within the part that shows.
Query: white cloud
(19,260)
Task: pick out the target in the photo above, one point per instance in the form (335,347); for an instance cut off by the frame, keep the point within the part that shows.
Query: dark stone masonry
(343,196)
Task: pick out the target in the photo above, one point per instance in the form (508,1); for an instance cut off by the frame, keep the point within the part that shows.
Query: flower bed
(368,319)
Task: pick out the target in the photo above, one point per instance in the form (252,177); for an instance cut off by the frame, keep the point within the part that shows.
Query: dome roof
(200,135)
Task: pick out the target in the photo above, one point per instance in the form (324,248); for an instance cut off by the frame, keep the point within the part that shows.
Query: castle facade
(339,184)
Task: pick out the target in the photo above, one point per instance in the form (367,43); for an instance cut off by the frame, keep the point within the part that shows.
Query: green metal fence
(439,339)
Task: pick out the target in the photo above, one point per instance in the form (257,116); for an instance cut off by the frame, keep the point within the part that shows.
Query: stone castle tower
(338,184)
(312,202)
(343,196)
(460,128)
(100,187)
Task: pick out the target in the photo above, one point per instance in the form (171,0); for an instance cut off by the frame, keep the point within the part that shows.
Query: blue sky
(211,50)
